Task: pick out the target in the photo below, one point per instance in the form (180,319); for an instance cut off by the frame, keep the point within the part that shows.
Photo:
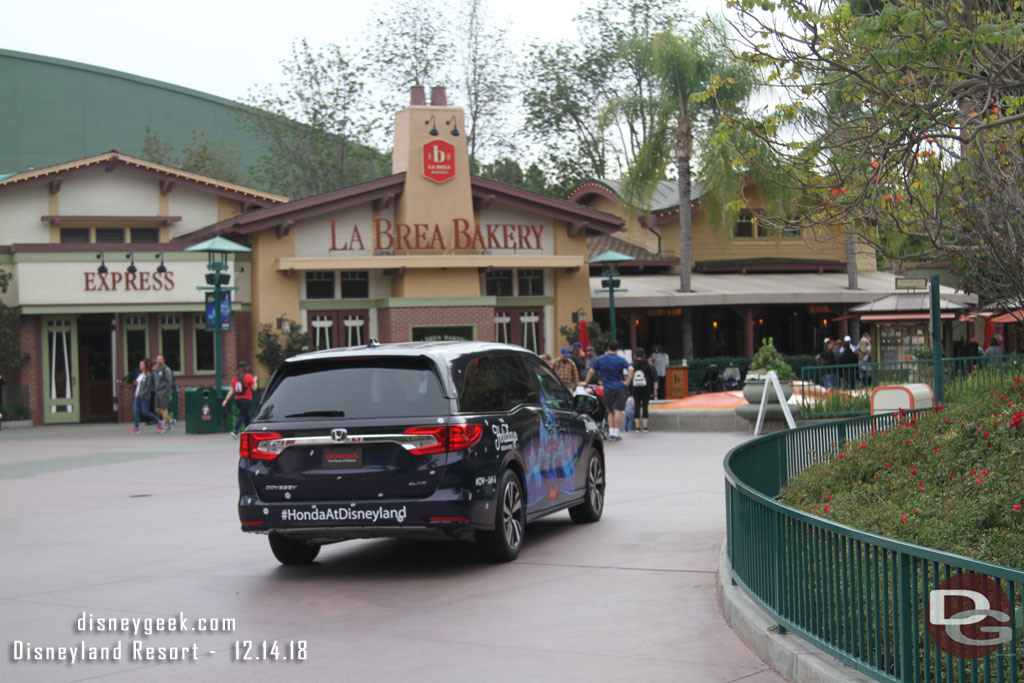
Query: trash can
(201,411)
(677,378)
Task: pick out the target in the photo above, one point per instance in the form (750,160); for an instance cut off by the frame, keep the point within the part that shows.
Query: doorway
(96,343)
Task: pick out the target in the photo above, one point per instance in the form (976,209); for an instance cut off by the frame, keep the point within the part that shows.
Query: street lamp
(610,283)
(217,279)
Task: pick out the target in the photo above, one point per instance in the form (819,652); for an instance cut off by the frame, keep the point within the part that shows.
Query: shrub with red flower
(965,500)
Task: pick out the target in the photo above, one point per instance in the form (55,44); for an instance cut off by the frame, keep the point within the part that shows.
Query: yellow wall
(273,293)
(720,245)
(456,282)
(572,290)
(227,208)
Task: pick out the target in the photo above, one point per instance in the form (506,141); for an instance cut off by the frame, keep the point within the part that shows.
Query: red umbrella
(584,334)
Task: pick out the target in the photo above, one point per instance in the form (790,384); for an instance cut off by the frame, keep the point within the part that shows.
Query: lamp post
(611,282)
(217,279)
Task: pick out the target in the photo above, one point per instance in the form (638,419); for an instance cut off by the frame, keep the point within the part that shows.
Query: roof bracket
(577,228)
(55,185)
(381,203)
(166,186)
(284,229)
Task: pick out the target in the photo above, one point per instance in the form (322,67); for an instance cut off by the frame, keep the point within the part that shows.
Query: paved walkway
(98,521)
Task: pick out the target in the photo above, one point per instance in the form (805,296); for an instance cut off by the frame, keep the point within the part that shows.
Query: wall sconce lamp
(102,270)
(131,267)
(284,324)
(433,125)
(453,122)
(161,268)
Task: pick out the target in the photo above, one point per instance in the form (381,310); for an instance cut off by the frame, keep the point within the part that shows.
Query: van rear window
(355,388)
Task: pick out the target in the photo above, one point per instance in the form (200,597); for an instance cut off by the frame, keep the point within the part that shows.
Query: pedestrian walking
(659,359)
(242,385)
(579,358)
(611,367)
(566,370)
(143,393)
(643,378)
(163,385)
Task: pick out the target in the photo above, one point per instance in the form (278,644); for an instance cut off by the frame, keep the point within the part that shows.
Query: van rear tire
(290,551)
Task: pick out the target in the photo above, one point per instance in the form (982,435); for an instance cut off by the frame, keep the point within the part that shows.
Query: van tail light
(260,445)
(450,438)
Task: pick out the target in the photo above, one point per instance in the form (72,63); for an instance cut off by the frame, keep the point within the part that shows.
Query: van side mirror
(585,404)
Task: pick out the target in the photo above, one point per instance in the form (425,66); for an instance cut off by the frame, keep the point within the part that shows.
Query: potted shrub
(766,359)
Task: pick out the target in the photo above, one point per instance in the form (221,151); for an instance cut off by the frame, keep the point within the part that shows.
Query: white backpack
(639,379)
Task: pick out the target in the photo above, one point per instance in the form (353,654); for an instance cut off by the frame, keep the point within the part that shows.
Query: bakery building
(749,281)
(96,248)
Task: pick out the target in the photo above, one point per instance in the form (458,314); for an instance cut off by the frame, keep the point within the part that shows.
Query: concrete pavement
(104,523)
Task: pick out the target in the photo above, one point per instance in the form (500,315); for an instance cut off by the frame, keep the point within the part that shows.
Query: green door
(60,370)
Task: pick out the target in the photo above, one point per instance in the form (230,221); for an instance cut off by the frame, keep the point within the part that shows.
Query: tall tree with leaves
(411,47)
(483,84)
(315,124)
(571,85)
(904,119)
(696,79)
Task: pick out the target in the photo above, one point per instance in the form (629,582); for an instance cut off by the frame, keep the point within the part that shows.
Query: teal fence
(860,597)
(844,390)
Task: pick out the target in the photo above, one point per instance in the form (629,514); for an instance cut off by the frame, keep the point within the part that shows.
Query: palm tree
(697,80)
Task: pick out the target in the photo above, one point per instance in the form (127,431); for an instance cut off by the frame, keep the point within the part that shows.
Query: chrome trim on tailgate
(407,441)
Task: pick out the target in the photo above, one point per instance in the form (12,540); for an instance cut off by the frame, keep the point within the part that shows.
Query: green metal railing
(844,390)
(860,597)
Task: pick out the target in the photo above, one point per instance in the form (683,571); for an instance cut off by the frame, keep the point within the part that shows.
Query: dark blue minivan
(469,440)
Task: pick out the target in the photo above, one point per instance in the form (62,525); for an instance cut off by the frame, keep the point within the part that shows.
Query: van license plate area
(343,457)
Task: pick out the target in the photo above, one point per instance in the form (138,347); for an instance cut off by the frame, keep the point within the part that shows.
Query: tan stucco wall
(425,201)
(429,283)
(227,208)
(572,289)
(273,293)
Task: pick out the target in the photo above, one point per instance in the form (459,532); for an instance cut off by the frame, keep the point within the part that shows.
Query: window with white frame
(502,328)
(355,284)
(202,345)
(322,327)
(320,284)
(354,328)
(170,341)
(529,323)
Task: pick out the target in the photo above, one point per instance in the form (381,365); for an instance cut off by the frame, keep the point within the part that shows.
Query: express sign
(439,161)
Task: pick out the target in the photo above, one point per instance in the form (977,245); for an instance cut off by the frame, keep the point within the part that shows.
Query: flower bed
(952,479)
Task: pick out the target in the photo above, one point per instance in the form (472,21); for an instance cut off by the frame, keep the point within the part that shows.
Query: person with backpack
(241,389)
(643,382)
(163,385)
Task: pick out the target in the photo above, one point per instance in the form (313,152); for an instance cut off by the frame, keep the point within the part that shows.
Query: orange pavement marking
(723,400)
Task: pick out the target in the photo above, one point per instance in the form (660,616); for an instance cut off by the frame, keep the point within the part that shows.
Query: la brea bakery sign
(459,235)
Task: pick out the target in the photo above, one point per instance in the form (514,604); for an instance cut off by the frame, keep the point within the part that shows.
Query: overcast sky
(224,48)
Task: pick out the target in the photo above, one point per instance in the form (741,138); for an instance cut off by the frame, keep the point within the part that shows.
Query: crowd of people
(628,383)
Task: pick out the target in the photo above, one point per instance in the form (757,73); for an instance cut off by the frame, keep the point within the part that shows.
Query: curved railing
(860,597)
(845,390)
